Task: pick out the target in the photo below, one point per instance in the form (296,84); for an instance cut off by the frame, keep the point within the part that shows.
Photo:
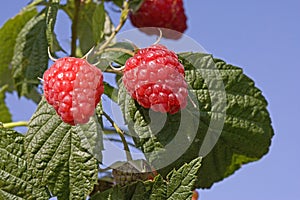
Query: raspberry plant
(211,117)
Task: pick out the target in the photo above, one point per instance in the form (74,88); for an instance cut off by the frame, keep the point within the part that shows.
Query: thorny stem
(15,124)
(74,27)
(121,134)
(123,18)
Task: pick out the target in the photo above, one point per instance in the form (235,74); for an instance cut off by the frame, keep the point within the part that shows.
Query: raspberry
(195,195)
(167,14)
(155,79)
(73,87)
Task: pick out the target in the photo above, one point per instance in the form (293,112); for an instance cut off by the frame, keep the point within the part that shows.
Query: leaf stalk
(15,124)
(75,27)
(121,134)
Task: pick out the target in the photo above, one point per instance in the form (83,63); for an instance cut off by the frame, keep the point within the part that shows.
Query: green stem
(75,27)
(3,88)
(15,124)
(123,18)
(114,71)
(121,134)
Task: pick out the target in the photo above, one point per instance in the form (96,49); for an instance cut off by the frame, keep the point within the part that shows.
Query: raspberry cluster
(73,87)
(155,79)
(153,76)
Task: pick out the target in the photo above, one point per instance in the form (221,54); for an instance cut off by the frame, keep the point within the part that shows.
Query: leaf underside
(30,58)
(8,34)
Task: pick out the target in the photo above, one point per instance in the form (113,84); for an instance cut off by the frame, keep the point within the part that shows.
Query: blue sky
(262,37)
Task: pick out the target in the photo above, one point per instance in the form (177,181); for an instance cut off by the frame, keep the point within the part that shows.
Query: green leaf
(15,180)
(247,130)
(85,27)
(30,58)
(51,15)
(226,121)
(181,182)
(118,3)
(8,34)
(5,115)
(63,157)
(98,22)
(34,3)
(117,53)
(162,137)
(159,189)
(136,191)
(94,24)
(134,5)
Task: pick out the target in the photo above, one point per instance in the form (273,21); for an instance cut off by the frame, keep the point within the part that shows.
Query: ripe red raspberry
(155,79)
(73,87)
(167,14)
